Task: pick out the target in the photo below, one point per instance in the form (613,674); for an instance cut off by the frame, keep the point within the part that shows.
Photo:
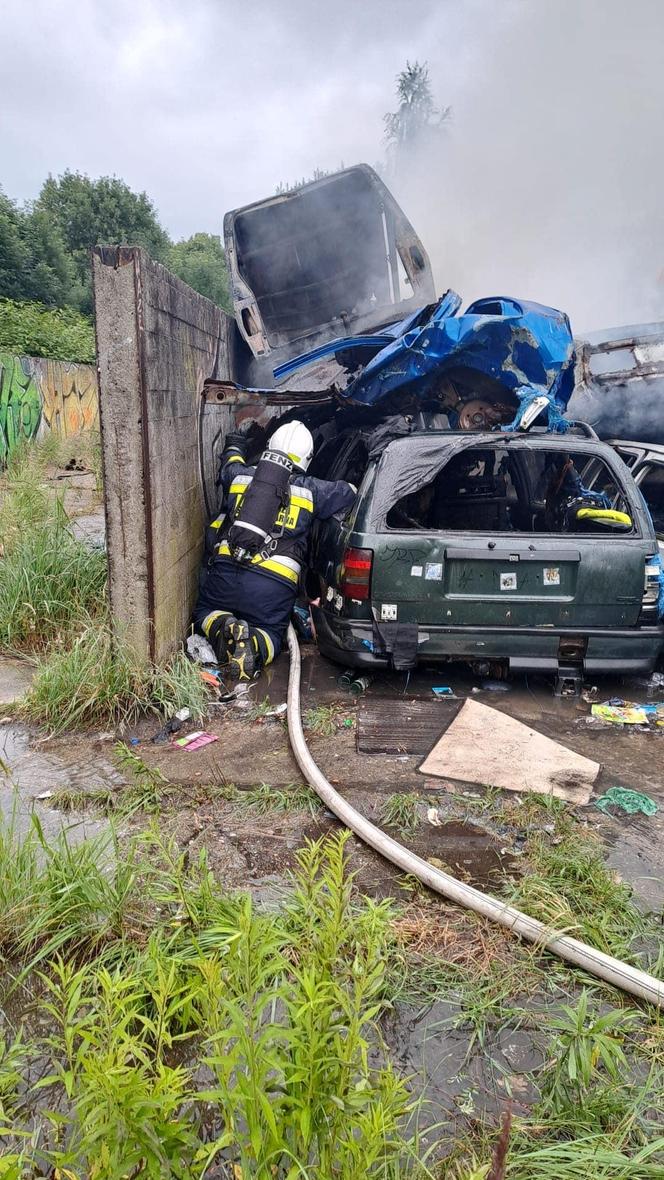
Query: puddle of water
(34,768)
(463,848)
(15,679)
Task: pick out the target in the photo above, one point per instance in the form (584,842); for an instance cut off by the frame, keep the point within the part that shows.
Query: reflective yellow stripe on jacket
(284,567)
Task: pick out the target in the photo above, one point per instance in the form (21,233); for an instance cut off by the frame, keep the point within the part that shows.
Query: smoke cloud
(548,182)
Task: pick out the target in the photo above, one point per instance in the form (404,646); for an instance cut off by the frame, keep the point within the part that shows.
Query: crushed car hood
(498,347)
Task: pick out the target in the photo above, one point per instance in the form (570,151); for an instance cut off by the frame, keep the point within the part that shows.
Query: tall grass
(282,1009)
(99,681)
(569,886)
(53,607)
(49,581)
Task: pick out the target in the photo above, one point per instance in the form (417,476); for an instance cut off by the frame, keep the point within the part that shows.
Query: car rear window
(515,489)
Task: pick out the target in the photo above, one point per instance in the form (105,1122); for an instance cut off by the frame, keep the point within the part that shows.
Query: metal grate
(402,726)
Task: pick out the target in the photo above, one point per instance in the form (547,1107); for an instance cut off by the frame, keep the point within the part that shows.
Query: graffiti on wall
(38,396)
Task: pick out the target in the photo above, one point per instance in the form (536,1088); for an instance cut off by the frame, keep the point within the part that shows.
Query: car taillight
(355,576)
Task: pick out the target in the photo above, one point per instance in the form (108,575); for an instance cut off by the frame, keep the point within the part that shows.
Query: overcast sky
(548,183)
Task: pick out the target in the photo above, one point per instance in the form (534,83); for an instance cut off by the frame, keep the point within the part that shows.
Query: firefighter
(260,544)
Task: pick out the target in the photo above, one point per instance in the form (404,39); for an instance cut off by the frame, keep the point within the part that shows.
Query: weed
(49,584)
(49,581)
(58,893)
(569,886)
(148,783)
(400,812)
(323,720)
(284,1008)
(586,1045)
(258,709)
(98,681)
(13,1059)
(293,797)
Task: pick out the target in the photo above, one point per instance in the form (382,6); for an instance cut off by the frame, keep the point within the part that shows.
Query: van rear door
(336,257)
(503,552)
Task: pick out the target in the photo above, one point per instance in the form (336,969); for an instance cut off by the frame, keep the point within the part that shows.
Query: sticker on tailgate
(508,581)
(551,575)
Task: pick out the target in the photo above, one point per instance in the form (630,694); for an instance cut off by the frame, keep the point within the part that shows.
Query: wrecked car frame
(489,579)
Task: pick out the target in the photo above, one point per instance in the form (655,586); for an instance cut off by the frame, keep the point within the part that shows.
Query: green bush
(31,329)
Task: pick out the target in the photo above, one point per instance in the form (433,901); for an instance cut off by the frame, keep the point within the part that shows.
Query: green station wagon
(533,550)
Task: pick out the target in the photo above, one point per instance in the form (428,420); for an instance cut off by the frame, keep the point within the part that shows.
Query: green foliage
(48,579)
(280,1008)
(31,329)
(45,260)
(201,262)
(266,797)
(400,811)
(34,263)
(587,1046)
(96,681)
(569,886)
(87,212)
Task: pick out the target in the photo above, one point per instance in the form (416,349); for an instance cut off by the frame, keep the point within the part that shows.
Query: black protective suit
(262,593)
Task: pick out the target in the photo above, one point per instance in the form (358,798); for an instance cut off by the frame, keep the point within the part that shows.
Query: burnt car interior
(499,489)
(300,257)
(651,486)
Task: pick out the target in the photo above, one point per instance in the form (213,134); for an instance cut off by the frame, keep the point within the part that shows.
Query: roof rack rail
(586,429)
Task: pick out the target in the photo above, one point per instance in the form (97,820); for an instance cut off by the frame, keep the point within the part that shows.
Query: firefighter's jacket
(309,499)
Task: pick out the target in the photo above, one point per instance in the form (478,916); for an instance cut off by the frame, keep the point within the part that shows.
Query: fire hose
(629,979)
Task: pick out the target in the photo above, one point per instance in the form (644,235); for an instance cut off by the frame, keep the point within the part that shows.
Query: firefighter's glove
(237,441)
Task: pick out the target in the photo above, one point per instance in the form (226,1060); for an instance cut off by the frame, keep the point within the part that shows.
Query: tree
(201,262)
(50,273)
(13,256)
(106,210)
(34,263)
(417,121)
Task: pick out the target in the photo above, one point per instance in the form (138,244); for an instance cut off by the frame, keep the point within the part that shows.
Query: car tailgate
(502,581)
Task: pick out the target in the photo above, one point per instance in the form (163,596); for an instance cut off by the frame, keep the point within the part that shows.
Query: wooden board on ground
(387,725)
(488,748)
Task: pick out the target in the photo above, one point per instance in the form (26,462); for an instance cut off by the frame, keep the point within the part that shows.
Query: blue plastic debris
(443,691)
(524,347)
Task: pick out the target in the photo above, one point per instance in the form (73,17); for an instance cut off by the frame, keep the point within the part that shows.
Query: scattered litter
(629,801)
(433,816)
(101,737)
(348,723)
(302,624)
(360,685)
(212,679)
(45,795)
(495,686)
(475,690)
(278,711)
(194,741)
(443,691)
(619,712)
(200,650)
(134,741)
(172,726)
(487,748)
(590,695)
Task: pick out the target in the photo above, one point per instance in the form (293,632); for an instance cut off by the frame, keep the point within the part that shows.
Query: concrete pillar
(157,341)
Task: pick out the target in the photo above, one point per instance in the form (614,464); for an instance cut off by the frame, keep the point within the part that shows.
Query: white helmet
(294,440)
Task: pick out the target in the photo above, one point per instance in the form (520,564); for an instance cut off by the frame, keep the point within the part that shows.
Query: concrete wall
(38,396)
(157,341)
